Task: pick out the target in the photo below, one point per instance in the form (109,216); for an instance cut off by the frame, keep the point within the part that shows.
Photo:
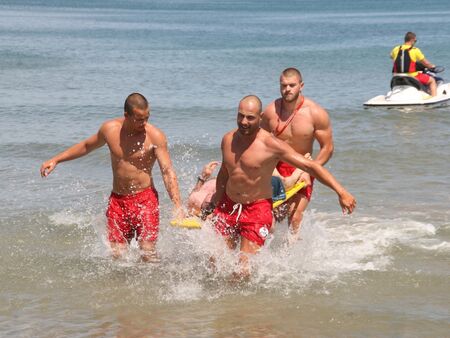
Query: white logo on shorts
(263,232)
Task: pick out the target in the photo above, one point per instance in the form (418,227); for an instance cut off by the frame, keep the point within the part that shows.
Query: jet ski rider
(407,56)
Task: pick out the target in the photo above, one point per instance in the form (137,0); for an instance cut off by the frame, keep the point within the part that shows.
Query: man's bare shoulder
(318,113)
(228,137)
(268,138)
(155,134)
(113,124)
(270,111)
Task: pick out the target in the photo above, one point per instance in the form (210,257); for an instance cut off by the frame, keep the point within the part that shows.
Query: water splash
(331,247)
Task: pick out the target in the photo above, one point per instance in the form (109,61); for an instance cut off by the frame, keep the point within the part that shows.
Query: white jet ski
(408,91)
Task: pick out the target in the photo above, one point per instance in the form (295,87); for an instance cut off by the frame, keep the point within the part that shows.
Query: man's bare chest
(299,129)
(131,148)
(250,159)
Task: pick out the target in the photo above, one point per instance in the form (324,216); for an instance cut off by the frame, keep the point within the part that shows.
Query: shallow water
(68,66)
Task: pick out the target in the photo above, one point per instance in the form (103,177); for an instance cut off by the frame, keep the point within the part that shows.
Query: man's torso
(299,133)
(249,167)
(132,158)
(415,54)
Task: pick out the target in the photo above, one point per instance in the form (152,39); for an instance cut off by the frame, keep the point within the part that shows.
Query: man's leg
(247,249)
(118,249)
(297,208)
(148,251)
(231,242)
(116,227)
(146,210)
(432,85)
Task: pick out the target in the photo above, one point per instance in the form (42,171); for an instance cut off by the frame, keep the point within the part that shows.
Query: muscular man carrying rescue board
(135,145)
(299,121)
(243,199)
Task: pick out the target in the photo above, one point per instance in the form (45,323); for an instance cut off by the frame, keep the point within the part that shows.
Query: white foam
(69,218)
(331,246)
(435,245)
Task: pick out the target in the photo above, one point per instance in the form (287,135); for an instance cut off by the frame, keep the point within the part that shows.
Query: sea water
(67,66)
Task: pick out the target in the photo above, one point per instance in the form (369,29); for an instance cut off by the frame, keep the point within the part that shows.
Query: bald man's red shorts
(252,221)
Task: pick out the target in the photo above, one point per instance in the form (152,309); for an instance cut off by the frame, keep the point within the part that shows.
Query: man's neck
(129,131)
(249,138)
(289,107)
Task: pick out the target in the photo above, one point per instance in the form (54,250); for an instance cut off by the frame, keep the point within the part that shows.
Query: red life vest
(403,62)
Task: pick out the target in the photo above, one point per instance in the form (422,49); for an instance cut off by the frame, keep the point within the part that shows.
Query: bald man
(243,199)
(135,145)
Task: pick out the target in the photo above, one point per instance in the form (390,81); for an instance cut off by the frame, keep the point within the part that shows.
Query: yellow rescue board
(195,222)
(190,223)
(291,192)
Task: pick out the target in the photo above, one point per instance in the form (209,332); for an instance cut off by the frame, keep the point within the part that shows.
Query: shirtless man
(243,196)
(134,146)
(298,121)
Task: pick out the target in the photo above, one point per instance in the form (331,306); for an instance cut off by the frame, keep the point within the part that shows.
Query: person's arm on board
(196,197)
(205,175)
(78,150)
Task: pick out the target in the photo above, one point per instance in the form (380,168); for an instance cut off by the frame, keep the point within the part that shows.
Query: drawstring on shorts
(238,207)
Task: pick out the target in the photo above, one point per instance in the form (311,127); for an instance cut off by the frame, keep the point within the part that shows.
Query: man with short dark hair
(407,56)
(135,145)
(299,121)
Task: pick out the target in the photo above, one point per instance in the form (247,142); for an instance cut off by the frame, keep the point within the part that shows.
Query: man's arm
(266,116)
(168,173)
(289,155)
(392,54)
(221,183)
(427,63)
(323,134)
(75,151)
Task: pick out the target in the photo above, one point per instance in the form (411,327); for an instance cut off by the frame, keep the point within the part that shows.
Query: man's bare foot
(239,278)
(150,257)
(293,237)
(118,250)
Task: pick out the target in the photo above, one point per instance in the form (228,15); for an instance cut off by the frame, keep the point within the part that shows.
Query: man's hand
(179,213)
(207,209)
(347,202)
(47,167)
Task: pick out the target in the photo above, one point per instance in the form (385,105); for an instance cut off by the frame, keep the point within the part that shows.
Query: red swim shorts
(252,221)
(286,170)
(133,214)
(423,78)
